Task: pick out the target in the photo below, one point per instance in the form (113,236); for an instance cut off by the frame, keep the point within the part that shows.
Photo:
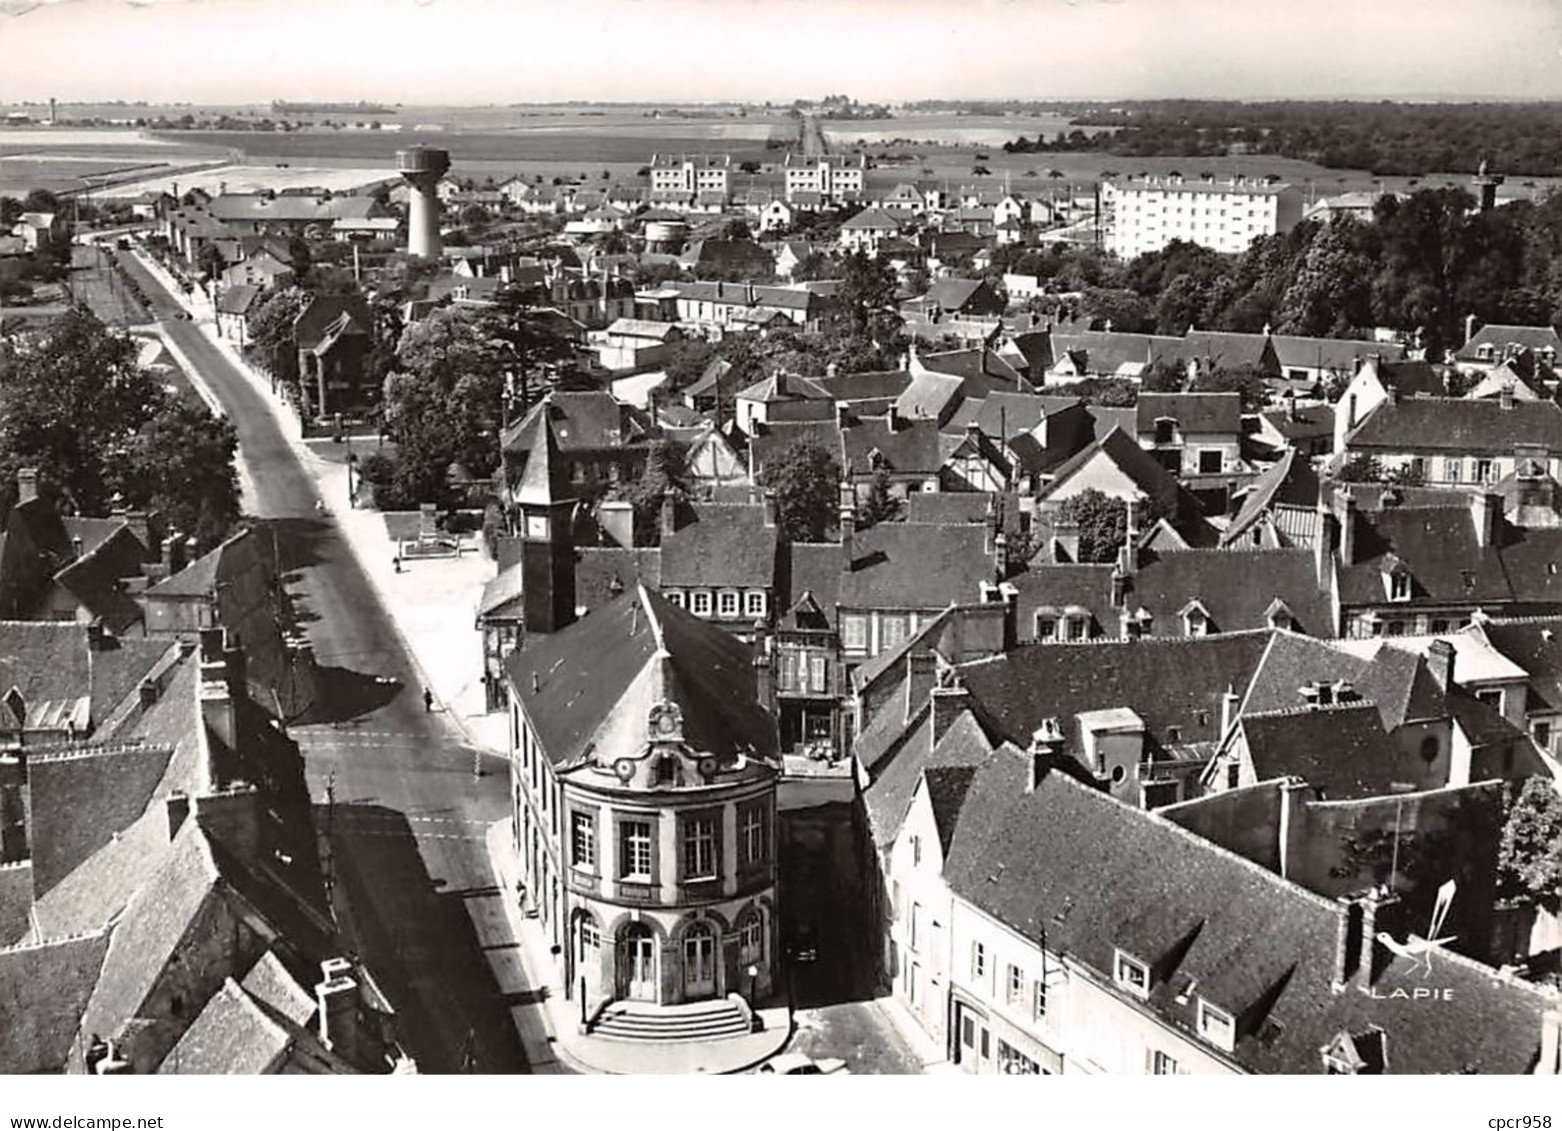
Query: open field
(251,178)
(945,129)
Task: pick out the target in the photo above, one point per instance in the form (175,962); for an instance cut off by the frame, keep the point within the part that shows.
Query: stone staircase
(692,1021)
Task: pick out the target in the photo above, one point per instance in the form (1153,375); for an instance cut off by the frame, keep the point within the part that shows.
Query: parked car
(796,1064)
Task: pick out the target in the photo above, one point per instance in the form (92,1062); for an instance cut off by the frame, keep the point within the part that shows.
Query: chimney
(1347,942)
(1379,912)
(235,670)
(1230,701)
(1345,504)
(337,1000)
(832,370)
(1000,557)
(770,503)
(1046,747)
(26,484)
(764,684)
(617,519)
(148,693)
(173,554)
(945,702)
(1469,328)
(178,806)
(97,635)
(1440,662)
(140,524)
(848,522)
(1550,1044)
(1131,536)
(1065,541)
(1484,510)
(669,516)
(892,418)
(842,413)
(1324,543)
(1122,581)
(76,548)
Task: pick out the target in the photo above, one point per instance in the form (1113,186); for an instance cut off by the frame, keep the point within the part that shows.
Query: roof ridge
(642,596)
(1304,709)
(55,940)
(64,752)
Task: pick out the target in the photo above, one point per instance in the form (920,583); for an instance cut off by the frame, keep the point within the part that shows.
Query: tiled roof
(1289,480)
(811,570)
(1536,646)
(961,507)
(930,396)
(952,295)
(1338,354)
(747,294)
(270,983)
(262,207)
(1307,423)
(1094,875)
(726,544)
(232,1035)
(1220,349)
(96,579)
(1062,587)
(1201,413)
(1171,683)
(1098,352)
(1459,426)
(880,385)
(1438,545)
(319,319)
(871,220)
(237,299)
(594,682)
(45,988)
(770,441)
(1123,450)
(603,573)
(991,372)
(581,421)
(906,565)
(500,590)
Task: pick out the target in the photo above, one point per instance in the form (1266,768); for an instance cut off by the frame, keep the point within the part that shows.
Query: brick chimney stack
(1046,747)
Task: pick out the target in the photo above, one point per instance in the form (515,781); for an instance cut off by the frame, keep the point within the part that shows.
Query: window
(892,630)
(699,848)
(817,673)
(590,940)
(1162,1064)
(1210,461)
(583,840)
(1491,697)
(699,603)
(916,851)
(1453,470)
(751,941)
(751,834)
(978,962)
(894,899)
(1078,628)
(1217,1026)
(1483,471)
(1399,586)
(854,632)
(1014,986)
(916,926)
(1543,735)
(1046,628)
(727,604)
(634,861)
(1039,999)
(674,597)
(1165,430)
(1012,1062)
(756,603)
(1131,974)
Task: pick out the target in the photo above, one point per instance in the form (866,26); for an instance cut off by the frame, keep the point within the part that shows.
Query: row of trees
(75,404)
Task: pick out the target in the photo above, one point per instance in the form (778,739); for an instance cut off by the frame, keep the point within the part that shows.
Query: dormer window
(1046,627)
(1399,585)
(1217,1026)
(1165,430)
(1131,974)
(1195,619)
(1279,616)
(1484,351)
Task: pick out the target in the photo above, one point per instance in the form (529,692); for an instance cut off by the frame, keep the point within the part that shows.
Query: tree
(666,476)
(1234,380)
(1362,468)
(1102,521)
(736,230)
(1529,857)
(181,465)
(271,333)
(210,261)
(535,354)
(806,479)
(880,505)
(299,258)
(867,290)
(72,399)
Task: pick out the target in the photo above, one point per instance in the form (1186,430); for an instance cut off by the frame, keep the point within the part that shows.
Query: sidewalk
(600,1055)
(432,602)
(934,1060)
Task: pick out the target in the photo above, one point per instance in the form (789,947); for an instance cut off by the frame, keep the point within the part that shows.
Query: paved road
(407,825)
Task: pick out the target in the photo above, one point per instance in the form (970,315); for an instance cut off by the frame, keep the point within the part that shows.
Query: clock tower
(547,546)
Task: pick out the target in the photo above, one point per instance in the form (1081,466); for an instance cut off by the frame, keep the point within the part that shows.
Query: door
(640,954)
(973,1044)
(699,963)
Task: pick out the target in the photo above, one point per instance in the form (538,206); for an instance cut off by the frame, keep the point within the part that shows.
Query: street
(405,816)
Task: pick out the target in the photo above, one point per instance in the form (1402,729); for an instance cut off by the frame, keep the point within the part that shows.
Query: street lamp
(752,974)
(352,458)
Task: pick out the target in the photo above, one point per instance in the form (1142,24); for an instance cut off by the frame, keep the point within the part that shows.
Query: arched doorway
(640,963)
(699,962)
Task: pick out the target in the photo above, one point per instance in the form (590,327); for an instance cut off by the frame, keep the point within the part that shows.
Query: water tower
(422,167)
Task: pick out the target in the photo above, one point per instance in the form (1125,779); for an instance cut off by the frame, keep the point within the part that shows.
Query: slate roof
(43,990)
(1459,426)
(238,299)
(1124,451)
(1237,588)
(771,440)
(812,570)
(906,565)
(749,294)
(1309,422)
(1536,646)
(961,507)
(1200,413)
(1095,874)
(1170,683)
(930,396)
(232,1035)
(911,447)
(856,388)
(1396,681)
(1290,480)
(1338,354)
(317,321)
(1097,352)
(1221,349)
(1059,587)
(994,374)
(871,220)
(1439,547)
(953,295)
(888,798)
(581,421)
(596,679)
(727,544)
(1343,752)
(603,573)
(96,579)
(1498,336)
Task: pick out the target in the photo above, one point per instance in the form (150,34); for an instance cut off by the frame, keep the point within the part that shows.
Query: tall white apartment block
(703,173)
(1148,213)
(835,176)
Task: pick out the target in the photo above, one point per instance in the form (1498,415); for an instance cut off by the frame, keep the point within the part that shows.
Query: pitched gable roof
(1193,412)
(43,990)
(1459,426)
(1342,752)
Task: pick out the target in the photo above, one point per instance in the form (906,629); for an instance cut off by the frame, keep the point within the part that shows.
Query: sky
(458,52)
